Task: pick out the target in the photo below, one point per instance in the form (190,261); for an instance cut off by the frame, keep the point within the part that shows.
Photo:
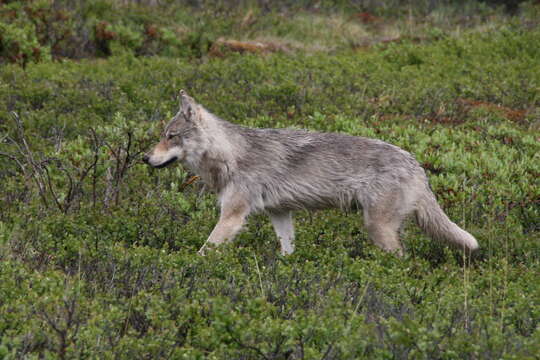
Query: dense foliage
(98,251)
(38,30)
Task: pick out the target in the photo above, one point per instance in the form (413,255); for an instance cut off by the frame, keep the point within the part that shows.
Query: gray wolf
(278,171)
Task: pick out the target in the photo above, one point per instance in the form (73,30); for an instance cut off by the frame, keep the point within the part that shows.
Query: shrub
(98,251)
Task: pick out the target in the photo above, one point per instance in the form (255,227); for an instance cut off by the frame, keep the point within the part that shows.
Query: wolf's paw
(206,248)
(286,251)
(202,251)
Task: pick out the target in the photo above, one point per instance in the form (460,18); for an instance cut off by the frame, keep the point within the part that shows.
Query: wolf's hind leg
(232,218)
(284,228)
(383,229)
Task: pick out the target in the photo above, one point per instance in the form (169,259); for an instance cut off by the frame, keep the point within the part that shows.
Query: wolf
(279,171)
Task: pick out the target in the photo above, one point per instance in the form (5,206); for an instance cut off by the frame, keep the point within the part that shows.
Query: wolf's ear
(184,98)
(188,106)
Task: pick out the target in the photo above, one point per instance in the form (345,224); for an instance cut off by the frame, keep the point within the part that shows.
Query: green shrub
(98,251)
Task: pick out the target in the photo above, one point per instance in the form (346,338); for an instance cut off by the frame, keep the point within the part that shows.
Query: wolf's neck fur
(219,151)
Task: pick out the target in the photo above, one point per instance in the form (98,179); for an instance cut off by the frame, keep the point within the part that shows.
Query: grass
(98,252)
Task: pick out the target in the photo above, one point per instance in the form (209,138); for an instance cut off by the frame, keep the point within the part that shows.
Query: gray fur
(278,171)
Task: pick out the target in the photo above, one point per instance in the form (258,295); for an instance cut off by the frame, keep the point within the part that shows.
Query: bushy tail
(432,219)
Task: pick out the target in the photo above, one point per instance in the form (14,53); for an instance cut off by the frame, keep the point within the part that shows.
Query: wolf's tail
(432,219)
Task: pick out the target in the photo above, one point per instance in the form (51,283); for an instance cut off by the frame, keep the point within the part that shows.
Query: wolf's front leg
(233,216)
(284,229)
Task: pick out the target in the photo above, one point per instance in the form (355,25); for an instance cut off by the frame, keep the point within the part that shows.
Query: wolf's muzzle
(166,163)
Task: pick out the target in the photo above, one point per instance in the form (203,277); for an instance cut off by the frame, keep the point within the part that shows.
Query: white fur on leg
(225,230)
(284,229)
(234,211)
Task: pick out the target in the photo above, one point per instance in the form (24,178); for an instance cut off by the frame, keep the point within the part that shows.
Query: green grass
(98,251)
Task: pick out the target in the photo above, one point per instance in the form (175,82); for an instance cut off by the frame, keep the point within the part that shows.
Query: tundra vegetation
(98,251)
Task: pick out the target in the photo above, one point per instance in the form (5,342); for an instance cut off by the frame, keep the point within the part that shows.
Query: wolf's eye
(171,135)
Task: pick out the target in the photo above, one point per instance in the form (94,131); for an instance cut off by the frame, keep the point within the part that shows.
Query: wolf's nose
(146,158)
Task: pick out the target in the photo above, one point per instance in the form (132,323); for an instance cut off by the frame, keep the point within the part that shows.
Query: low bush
(98,251)
(38,30)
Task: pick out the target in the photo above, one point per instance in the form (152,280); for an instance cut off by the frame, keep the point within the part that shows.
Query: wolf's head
(179,138)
